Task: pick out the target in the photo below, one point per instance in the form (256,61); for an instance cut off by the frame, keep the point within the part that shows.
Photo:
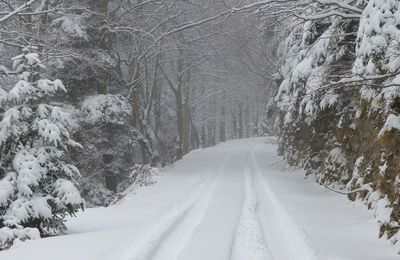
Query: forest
(99,98)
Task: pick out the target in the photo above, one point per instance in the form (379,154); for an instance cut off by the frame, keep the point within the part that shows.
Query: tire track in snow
(167,224)
(174,217)
(295,240)
(249,242)
(199,216)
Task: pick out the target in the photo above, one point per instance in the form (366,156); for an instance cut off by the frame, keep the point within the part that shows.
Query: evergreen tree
(37,188)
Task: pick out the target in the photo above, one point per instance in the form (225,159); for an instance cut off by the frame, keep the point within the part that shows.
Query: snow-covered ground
(233,201)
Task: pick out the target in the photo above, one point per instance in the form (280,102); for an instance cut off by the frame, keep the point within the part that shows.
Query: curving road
(235,201)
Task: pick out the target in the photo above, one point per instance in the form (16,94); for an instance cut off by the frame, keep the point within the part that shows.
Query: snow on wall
(326,80)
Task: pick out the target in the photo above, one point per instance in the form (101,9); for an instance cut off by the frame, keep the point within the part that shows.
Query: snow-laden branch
(328,14)
(341,4)
(17,10)
(339,8)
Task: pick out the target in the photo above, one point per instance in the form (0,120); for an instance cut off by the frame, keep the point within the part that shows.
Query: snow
(30,169)
(329,100)
(72,26)
(293,243)
(356,177)
(21,89)
(392,122)
(67,192)
(237,200)
(50,132)
(302,70)
(8,234)
(169,221)
(106,109)
(47,86)
(249,242)
(378,35)
(367,93)
(31,58)
(383,211)
(6,188)
(337,156)
(22,209)
(304,76)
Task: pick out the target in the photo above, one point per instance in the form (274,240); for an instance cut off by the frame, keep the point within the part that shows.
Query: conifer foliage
(37,186)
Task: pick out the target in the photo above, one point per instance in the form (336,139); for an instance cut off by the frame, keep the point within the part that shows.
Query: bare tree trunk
(44,17)
(106,44)
(154,89)
(234,122)
(157,108)
(247,118)
(195,138)
(186,117)
(240,119)
(222,131)
(179,109)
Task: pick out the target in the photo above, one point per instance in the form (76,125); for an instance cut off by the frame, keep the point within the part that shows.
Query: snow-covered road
(233,201)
